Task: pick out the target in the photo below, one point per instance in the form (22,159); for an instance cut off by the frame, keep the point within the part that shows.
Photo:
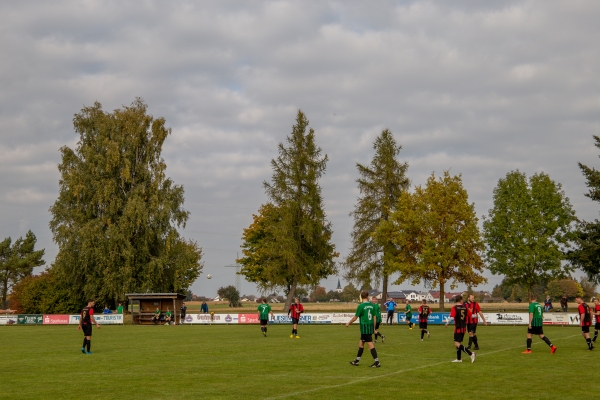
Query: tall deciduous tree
(380,185)
(289,243)
(116,217)
(17,261)
(527,230)
(586,254)
(231,294)
(436,236)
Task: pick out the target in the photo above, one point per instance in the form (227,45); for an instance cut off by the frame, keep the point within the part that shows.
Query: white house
(218,298)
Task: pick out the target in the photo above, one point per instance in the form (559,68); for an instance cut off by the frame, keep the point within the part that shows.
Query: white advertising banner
(102,319)
(305,318)
(507,318)
(342,318)
(207,319)
(8,319)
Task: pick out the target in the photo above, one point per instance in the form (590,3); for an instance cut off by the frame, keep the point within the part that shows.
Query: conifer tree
(298,245)
(380,185)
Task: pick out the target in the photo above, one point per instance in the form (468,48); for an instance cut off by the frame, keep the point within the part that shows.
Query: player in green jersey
(536,325)
(168,317)
(408,314)
(263,315)
(365,313)
(378,319)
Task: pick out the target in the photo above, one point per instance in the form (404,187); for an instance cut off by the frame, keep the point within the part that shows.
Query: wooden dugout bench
(143,306)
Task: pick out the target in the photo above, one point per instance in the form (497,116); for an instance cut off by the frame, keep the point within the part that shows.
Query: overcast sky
(480,88)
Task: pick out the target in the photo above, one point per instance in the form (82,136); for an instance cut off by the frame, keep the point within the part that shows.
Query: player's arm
(530,319)
(483,318)
(351,321)
(93,321)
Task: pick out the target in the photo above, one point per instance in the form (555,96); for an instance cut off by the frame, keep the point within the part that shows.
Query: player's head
(533,298)
(364,295)
(458,299)
(91,303)
(471,298)
(424,301)
(264,300)
(595,300)
(296,300)
(578,299)
(373,299)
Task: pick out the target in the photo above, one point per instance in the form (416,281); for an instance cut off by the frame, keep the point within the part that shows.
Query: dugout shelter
(143,306)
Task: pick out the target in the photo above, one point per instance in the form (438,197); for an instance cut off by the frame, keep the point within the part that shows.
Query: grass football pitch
(237,362)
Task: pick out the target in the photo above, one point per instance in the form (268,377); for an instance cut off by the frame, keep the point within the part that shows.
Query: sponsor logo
(188,318)
(228,318)
(56,319)
(248,318)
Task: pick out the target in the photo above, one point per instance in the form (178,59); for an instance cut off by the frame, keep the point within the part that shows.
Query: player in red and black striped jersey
(295,310)
(86,319)
(460,315)
(473,306)
(424,312)
(597,314)
(585,316)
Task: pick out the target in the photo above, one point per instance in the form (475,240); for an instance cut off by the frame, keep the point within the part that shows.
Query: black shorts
(366,338)
(458,337)
(87,329)
(422,325)
(264,322)
(585,329)
(377,325)
(472,328)
(295,320)
(535,330)
(597,326)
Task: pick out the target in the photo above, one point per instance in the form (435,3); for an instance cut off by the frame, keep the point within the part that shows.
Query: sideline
(369,378)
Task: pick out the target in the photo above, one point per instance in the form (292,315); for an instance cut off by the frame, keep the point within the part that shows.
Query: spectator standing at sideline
(106,310)
(390,307)
(563,303)
(548,304)
(183,310)
(120,309)
(204,308)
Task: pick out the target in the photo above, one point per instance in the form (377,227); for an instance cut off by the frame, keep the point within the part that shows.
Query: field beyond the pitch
(237,362)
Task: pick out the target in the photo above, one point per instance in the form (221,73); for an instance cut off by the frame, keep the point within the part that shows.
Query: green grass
(181,362)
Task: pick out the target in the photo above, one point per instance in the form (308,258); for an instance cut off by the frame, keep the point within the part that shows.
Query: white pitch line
(369,378)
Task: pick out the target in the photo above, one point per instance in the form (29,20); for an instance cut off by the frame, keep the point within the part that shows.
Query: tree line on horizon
(117,216)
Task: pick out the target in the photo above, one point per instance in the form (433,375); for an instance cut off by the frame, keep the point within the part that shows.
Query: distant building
(339,287)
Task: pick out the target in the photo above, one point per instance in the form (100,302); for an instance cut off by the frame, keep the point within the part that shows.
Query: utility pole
(238,269)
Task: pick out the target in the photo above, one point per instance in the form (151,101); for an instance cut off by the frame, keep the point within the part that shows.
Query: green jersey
(408,311)
(366,316)
(377,312)
(536,309)
(157,313)
(120,309)
(169,313)
(263,311)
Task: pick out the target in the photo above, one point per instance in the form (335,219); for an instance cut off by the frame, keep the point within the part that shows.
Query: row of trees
(117,216)
(429,235)
(555,289)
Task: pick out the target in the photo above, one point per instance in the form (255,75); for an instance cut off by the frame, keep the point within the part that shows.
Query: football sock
(548,342)
(360,351)
(589,342)
(463,348)
(374,354)
(422,333)
(595,336)
(89,345)
(470,340)
(529,343)
(84,342)
(458,354)
(475,341)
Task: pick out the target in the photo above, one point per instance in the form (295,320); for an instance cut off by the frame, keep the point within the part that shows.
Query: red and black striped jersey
(461,314)
(424,312)
(597,309)
(296,310)
(475,310)
(584,310)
